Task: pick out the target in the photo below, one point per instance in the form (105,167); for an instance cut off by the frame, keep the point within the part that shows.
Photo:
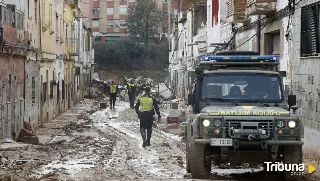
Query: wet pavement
(89,143)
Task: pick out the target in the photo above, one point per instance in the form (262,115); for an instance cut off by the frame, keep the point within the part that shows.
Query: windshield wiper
(223,100)
(265,104)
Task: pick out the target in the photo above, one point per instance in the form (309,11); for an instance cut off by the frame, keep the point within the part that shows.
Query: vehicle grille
(262,124)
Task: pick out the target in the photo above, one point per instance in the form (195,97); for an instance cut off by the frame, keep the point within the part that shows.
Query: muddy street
(89,143)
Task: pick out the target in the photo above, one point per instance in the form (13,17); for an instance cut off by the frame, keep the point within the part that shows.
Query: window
(309,31)
(44,93)
(112,38)
(50,16)
(109,11)
(33,90)
(123,9)
(272,43)
(28,4)
(110,25)
(165,1)
(63,89)
(35,10)
(95,24)
(43,12)
(243,87)
(51,90)
(123,24)
(98,38)
(67,34)
(57,25)
(95,10)
(58,92)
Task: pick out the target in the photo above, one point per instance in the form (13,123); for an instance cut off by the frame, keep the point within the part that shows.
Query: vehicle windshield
(243,87)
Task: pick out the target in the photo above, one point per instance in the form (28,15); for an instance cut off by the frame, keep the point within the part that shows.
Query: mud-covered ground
(89,143)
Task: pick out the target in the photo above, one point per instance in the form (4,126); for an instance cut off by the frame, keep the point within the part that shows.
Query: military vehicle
(241,115)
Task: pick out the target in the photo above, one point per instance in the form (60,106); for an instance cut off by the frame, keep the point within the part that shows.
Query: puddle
(72,167)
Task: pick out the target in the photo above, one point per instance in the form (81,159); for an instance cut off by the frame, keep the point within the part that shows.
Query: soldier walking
(146,108)
(113,90)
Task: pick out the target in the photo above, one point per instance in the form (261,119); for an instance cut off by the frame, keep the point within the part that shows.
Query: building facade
(32,63)
(14,49)
(302,67)
(52,44)
(284,28)
(38,45)
(111,16)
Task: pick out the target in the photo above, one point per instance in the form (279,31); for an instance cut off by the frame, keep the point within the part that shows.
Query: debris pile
(27,135)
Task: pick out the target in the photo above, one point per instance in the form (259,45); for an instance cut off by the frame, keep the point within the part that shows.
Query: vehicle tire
(292,155)
(199,168)
(187,153)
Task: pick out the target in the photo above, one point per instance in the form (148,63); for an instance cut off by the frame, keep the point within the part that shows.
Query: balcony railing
(260,7)
(236,11)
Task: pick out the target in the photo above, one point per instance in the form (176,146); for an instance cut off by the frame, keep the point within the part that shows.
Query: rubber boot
(149,132)
(143,134)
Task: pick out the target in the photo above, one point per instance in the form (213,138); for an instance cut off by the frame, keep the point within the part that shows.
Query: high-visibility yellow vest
(131,85)
(113,88)
(146,104)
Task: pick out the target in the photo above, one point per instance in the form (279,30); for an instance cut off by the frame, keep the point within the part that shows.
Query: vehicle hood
(244,111)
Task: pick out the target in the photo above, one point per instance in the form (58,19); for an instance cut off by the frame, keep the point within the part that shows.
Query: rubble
(103,105)
(26,136)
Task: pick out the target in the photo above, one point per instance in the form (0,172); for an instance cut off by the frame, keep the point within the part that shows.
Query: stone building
(14,48)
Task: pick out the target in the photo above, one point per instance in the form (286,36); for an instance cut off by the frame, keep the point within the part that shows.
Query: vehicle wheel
(200,169)
(292,155)
(187,153)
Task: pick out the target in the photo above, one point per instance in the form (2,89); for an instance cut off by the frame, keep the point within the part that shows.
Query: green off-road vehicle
(240,115)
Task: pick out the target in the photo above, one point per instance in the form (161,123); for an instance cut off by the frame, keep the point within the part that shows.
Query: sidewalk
(19,161)
(52,130)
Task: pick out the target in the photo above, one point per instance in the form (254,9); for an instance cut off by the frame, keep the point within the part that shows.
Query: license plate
(221,142)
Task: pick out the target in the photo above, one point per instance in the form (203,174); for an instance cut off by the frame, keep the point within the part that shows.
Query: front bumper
(267,142)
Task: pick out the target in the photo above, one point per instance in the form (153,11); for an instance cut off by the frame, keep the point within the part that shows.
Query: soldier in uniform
(146,108)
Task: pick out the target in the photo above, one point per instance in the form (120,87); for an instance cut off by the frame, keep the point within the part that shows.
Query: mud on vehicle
(241,115)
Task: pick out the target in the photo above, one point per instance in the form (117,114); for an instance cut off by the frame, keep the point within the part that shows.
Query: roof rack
(215,62)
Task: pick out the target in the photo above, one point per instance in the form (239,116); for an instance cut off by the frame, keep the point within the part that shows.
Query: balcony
(195,2)
(260,7)
(236,11)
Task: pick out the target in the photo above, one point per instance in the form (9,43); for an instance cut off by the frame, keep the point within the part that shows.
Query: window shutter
(312,27)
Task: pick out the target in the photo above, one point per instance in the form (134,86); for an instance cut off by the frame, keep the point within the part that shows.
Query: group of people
(146,107)
(113,91)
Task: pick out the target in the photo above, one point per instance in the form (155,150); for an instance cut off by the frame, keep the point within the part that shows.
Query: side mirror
(292,100)
(283,73)
(190,99)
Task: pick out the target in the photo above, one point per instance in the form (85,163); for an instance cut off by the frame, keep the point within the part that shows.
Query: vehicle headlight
(206,123)
(292,124)
(280,124)
(217,122)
